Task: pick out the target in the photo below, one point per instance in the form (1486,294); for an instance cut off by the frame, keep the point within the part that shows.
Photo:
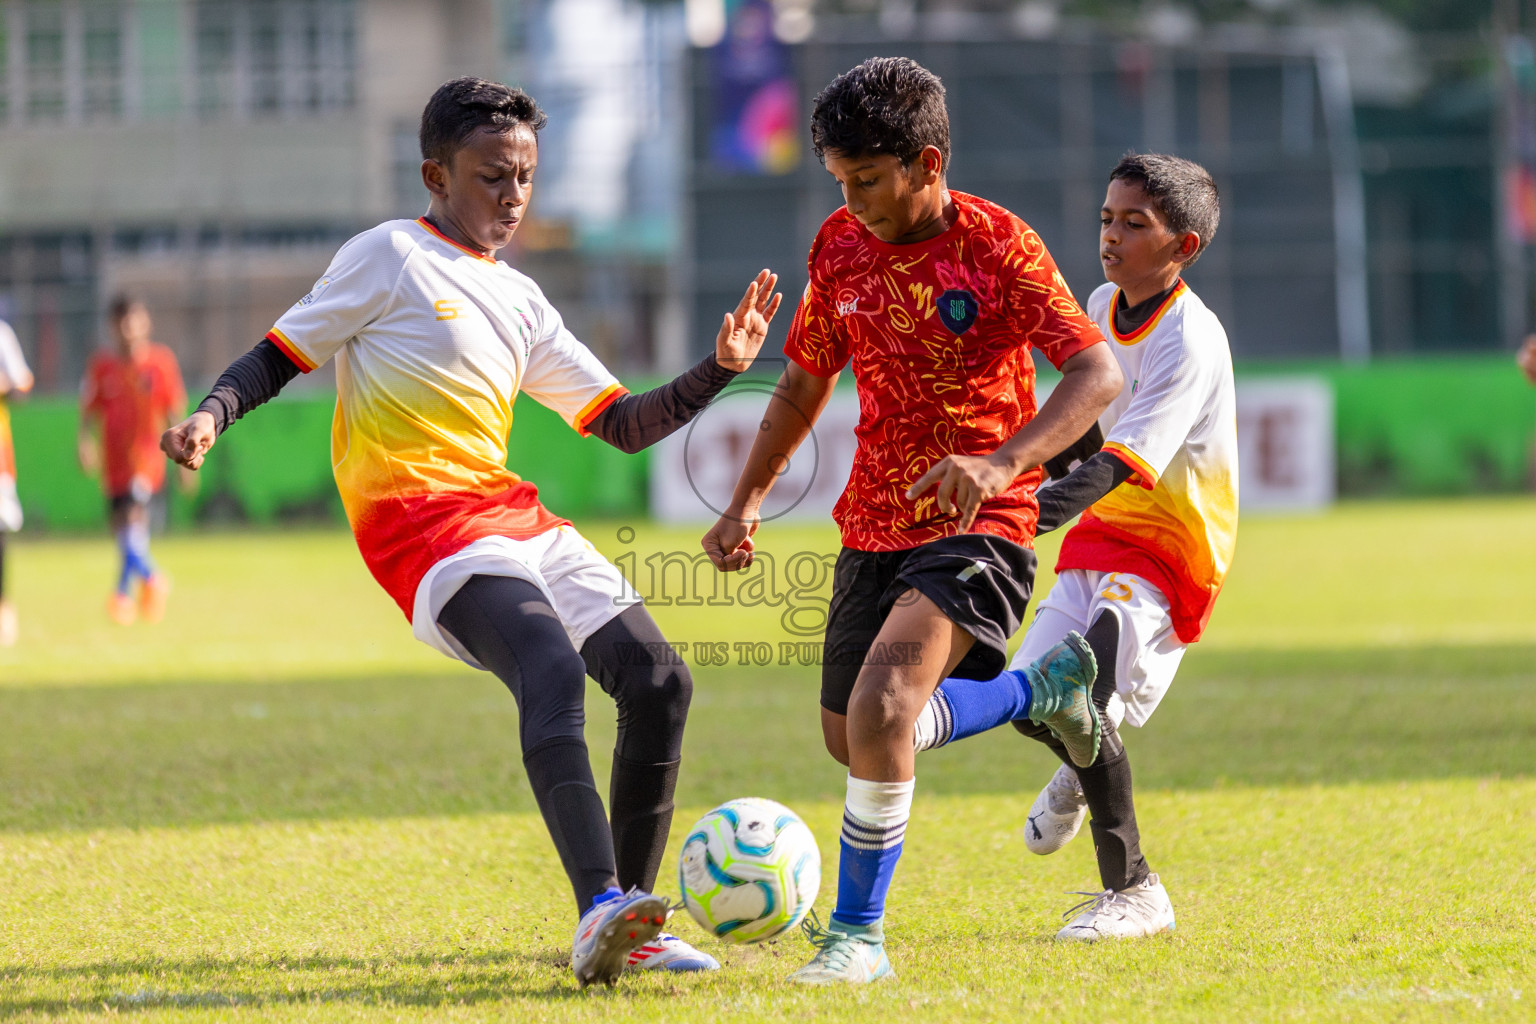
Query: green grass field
(275,805)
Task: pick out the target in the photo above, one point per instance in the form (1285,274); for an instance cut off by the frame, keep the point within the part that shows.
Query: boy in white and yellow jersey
(433,340)
(1139,575)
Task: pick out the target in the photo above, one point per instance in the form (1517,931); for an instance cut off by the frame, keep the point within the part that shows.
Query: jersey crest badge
(958,309)
(848,307)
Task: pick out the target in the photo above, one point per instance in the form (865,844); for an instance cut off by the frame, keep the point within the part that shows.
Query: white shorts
(585,588)
(10,505)
(1149,653)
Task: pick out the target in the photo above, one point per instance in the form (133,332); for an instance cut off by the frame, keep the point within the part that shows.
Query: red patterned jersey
(136,398)
(939,335)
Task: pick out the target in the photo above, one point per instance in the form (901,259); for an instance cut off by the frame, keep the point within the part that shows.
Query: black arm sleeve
(253,379)
(635,422)
(1081,450)
(1086,484)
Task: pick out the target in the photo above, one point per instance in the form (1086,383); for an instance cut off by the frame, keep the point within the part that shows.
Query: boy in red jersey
(936,299)
(433,340)
(129,396)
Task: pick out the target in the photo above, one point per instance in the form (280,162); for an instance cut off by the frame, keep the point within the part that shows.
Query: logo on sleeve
(958,309)
(315,292)
(529,331)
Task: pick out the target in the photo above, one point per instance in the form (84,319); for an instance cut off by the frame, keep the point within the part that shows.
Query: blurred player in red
(130,396)
(15,378)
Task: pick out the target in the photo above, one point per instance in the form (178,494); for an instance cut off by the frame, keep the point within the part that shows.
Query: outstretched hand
(188,441)
(741,335)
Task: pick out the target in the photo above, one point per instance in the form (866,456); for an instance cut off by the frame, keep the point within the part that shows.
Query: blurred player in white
(15,379)
(1139,575)
(433,340)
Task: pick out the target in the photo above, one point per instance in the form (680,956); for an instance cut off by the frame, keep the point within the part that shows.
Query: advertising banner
(1285,433)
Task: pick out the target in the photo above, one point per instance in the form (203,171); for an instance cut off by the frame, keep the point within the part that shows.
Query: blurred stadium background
(1378,165)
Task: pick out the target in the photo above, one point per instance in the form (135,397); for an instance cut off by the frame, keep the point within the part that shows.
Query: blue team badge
(958,309)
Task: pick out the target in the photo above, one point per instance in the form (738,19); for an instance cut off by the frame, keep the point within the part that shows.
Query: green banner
(274,467)
(1422,427)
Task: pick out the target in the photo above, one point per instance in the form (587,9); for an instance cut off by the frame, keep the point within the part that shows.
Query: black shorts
(981,582)
(121,503)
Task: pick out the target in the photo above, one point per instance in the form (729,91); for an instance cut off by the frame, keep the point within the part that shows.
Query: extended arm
(1086,448)
(1061,502)
(635,422)
(253,379)
(797,401)
(1090,381)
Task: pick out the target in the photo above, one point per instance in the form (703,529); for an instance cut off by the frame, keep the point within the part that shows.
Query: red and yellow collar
(462,248)
(1145,329)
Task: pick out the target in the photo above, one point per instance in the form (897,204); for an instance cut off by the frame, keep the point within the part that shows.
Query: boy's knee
(881,705)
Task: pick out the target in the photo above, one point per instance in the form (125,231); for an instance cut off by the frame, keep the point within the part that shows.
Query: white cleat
(667,952)
(1130,913)
(1057,813)
(609,932)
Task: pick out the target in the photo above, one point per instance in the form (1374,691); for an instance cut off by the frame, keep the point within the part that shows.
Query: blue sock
(965,707)
(125,552)
(608,895)
(136,552)
(874,825)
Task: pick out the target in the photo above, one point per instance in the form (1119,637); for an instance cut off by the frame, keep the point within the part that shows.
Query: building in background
(212,154)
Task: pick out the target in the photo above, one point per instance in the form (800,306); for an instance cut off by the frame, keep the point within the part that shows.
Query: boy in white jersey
(15,378)
(433,340)
(1139,575)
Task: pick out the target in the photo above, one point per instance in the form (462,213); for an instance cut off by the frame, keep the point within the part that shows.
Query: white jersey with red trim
(1175,424)
(433,342)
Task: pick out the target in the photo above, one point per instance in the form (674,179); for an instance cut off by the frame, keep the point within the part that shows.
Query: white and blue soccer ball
(750,870)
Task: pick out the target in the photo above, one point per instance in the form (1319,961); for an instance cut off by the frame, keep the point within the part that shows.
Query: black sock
(640,800)
(1112,819)
(513,630)
(1107,783)
(561,777)
(651,689)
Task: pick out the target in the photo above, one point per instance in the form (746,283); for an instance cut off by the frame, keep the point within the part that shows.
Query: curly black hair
(1182,189)
(885,105)
(463,106)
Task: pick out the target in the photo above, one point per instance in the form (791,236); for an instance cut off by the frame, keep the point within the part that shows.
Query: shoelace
(834,948)
(1095,901)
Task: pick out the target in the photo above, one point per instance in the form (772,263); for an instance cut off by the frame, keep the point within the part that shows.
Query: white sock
(883,805)
(935,723)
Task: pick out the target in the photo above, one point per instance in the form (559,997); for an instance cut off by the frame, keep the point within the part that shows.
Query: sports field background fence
(1415,428)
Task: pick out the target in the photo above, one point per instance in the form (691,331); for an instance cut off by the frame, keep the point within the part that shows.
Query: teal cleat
(849,954)
(1061,682)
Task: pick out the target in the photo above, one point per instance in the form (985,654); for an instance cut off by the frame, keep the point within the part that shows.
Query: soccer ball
(749,870)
